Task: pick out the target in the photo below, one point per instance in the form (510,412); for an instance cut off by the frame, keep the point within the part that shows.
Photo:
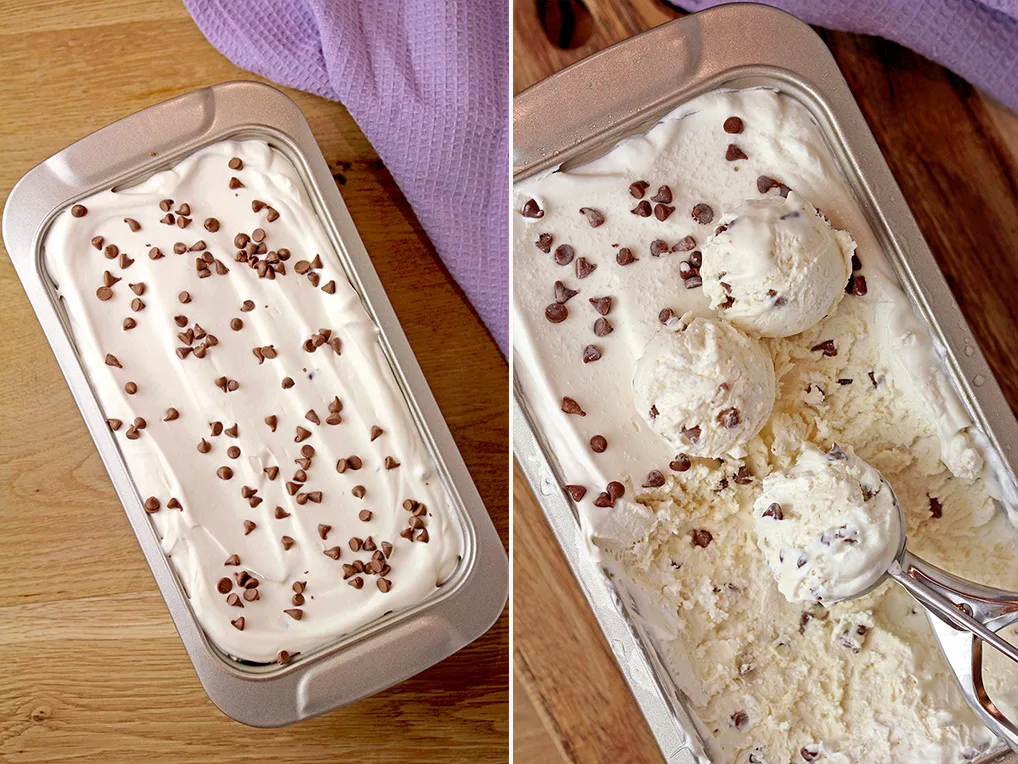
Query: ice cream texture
(253,405)
(828,527)
(859,681)
(704,386)
(775,266)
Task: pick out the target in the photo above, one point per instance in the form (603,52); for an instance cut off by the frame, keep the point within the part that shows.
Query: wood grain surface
(92,667)
(955,156)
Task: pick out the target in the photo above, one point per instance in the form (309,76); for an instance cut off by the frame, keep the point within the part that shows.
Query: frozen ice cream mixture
(255,410)
(724,366)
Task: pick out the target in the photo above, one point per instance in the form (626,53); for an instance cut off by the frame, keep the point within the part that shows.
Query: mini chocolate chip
(693,282)
(576,492)
(827,347)
(765,184)
(131,388)
(543,242)
(936,508)
(703,214)
(658,247)
(624,256)
(564,254)
(638,189)
(224,473)
(151,505)
(663,211)
(603,500)
(654,479)
(681,463)
(598,444)
(702,538)
(696,259)
(602,327)
(692,434)
(733,125)
(79,211)
(729,417)
(564,293)
(734,153)
(663,195)
(858,285)
(531,209)
(584,268)
(742,476)
(616,490)
(642,209)
(602,305)
(594,217)
(774,511)
(236,324)
(570,406)
(591,353)
(184,297)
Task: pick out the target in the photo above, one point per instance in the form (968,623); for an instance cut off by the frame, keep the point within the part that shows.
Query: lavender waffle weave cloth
(977,39)
(428,83)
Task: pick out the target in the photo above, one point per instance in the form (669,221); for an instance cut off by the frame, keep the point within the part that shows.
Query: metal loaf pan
(382,653)
(582,112)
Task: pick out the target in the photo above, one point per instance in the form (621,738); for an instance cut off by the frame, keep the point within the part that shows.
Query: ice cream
(704,386)
(860,681)
(828,527)
(775,267)
(253,405)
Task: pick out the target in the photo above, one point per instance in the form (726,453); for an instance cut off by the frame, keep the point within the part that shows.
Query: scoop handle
(963,615)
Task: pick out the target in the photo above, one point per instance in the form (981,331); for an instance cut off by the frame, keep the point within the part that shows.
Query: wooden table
(955,155)
(93,668)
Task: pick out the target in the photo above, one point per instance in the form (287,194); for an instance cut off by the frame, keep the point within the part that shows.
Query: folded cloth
(977,39)
(428,83)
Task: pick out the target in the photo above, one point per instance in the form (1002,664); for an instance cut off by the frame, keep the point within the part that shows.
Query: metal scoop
(963,615)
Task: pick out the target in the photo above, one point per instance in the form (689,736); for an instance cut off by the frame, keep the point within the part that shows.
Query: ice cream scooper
(963,615)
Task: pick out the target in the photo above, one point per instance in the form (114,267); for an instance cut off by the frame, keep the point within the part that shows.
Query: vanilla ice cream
(255,410)
(859,681)
(704,386)
(828,526)
(774,267)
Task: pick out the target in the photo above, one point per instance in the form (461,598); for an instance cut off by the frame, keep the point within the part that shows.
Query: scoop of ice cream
(704,386)
(828,527)
(775,266)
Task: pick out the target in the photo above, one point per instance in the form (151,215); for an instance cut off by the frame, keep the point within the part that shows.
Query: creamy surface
(861,680)
(203,513)
(828,527)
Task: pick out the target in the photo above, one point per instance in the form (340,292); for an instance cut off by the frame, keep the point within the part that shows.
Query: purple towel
(428,83)
(977,39)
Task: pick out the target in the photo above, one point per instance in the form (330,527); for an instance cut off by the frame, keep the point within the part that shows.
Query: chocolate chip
(681,463)
(390,463)
(733,125)
(131,388)
(729,417)
(696,259)
(602,305)
(654,479)
(295,613)
(858,285)
(576,492)
(556,313)
(301,435)
(602,327)
(809,754)
(663,195)
(584,268)
(598,444)
(104,293)
(692,434)
(638,188)
(703,214)
(603,500)
(615,490)
(734,153)
(151,505)
(564,293)
(287,542)
(827,347)
(594,217)
(133,224)
(740,719)
(663,211)
(702,538)
(97,242)
(742,476)
(936,508)
(658,247)
(531,209)
(79,210)
(693,282)
(334,552)
(836,453)
(591,353)
(323,531)
(572,407)
(642,209)
(543,242)
(564,254)
(111,360)
(184,297)
(312,417)
(114,424)
(224,473)
(364,515)
(384,585)
(232,560)
(774,511)
(856,263)
(624,256)
(258,235)
(765,184)
(111,251)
